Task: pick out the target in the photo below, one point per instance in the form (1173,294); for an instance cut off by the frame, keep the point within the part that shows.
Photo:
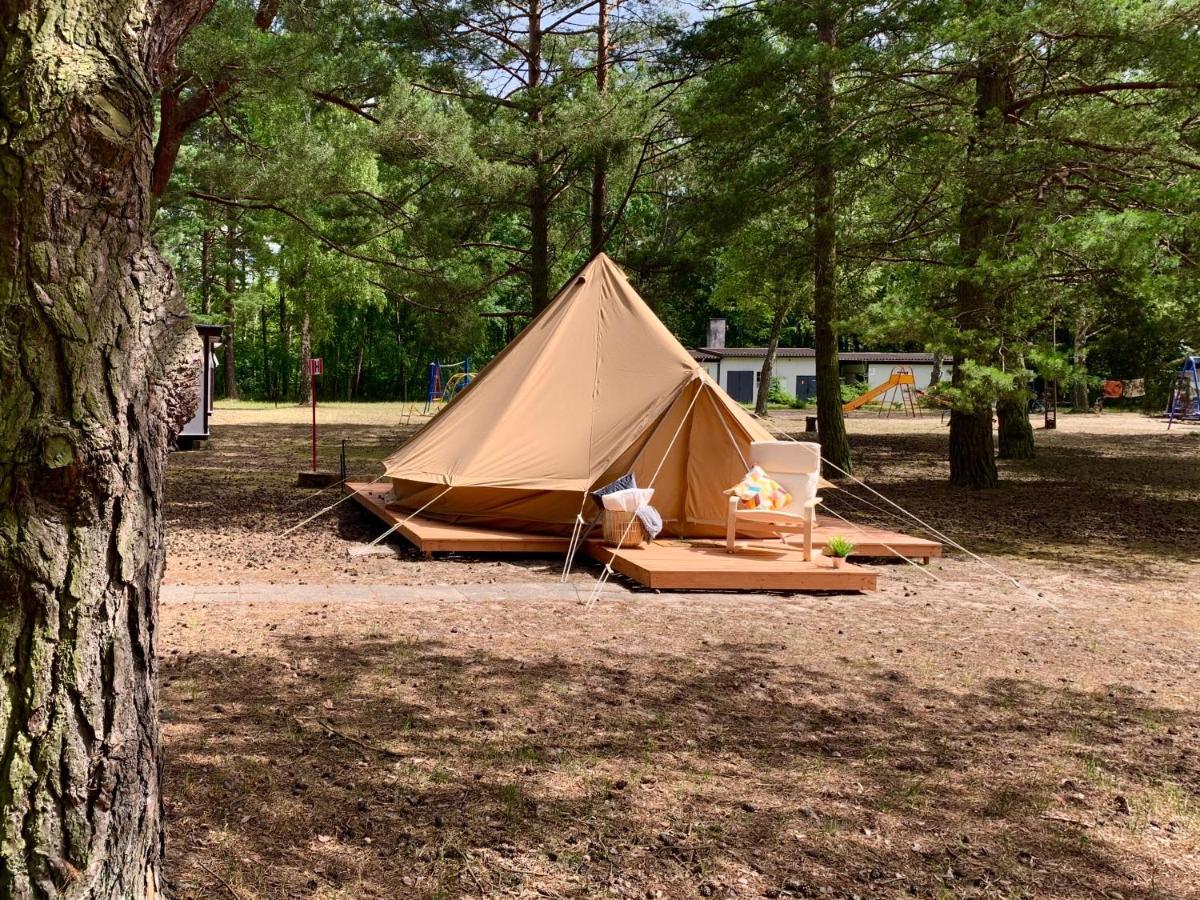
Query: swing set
(1185,395)
(447,381)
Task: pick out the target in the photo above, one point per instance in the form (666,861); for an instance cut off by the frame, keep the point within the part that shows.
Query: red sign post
(315,367)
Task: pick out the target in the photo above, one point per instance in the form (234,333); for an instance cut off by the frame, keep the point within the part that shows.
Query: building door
(806,386)
(740,386)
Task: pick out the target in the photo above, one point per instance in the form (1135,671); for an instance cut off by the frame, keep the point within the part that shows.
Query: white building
(738,369)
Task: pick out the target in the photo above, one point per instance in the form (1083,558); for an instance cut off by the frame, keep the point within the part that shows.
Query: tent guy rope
(608,569)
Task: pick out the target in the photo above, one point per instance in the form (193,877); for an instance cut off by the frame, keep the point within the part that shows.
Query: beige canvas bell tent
(593,388)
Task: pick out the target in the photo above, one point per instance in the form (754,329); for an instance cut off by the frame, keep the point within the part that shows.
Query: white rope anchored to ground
(315,493)
(331,506)
(941,535)
(608,569)
(922,523)
(924,570)
(411,516)
(573,544)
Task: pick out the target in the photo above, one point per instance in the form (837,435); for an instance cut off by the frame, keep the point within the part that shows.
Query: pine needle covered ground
(383,726)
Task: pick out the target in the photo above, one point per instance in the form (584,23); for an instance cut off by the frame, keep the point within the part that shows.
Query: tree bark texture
(1014,433)
(97,374)
(831,424)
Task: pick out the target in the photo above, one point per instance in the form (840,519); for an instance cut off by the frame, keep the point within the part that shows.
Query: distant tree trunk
(767,374)
(972,451)
(1079,389)
(356,383)
(228,348)
(400,367)
(206,270)
(831,424)
(935,372)
(306,378)
(539,193)
(1015,431)
(266,352)
(600,169)
(98,364)
(284,354)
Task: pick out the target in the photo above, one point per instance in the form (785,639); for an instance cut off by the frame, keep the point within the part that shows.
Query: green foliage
(368,170)
(851,391)
(838,546)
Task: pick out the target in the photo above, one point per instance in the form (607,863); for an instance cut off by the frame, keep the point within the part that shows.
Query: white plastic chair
(796,465)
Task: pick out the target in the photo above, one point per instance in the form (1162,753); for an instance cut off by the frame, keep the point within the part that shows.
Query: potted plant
(838,548)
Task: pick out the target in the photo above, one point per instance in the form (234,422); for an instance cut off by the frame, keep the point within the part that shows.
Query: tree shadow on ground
(1102,494)
(1100,498)
(393,767)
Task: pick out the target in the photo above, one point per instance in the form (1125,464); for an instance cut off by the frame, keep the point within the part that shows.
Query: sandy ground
(383,726)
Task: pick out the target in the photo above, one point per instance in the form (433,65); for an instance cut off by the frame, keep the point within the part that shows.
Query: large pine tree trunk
(831,424)
(972,449)
(97,374)
(1014,432)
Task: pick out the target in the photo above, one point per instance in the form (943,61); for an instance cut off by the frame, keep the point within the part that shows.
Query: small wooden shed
(197,428)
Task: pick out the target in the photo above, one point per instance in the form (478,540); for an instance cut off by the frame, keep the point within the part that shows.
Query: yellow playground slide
(899,378)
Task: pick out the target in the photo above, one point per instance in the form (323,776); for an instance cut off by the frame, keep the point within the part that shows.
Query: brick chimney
(716,334)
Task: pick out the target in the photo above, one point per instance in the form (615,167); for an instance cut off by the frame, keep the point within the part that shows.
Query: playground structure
(1185,395)
(900,389)
(442,389)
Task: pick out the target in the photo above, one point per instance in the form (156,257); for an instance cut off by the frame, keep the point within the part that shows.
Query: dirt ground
(346,726)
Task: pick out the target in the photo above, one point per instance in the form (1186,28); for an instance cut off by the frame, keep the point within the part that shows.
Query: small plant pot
(838,561)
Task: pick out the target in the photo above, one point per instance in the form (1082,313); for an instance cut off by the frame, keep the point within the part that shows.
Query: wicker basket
(618,523)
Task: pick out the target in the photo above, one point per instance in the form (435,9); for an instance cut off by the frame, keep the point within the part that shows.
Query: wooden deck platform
(431,536)
(756,566)
(870,541)
(759,564)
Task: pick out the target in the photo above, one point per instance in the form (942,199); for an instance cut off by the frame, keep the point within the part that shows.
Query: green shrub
(838,546)
(850,391)
(778,396)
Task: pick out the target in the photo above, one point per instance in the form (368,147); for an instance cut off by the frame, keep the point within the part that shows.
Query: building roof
(713,354)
